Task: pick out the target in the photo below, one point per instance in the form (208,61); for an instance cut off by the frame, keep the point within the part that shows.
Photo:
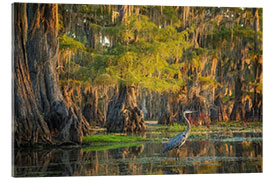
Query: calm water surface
(231,153)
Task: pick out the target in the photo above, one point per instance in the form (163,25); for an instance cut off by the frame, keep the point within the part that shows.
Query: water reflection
(240,154)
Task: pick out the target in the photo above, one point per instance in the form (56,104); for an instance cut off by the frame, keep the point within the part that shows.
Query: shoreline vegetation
(117,140)
(100,140)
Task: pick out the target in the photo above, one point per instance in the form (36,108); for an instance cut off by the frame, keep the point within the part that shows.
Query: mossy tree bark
(222,115)
(124,114)
(91,110)
(29,124)
(257,97)
(168,115)
(36,46)
(238,111)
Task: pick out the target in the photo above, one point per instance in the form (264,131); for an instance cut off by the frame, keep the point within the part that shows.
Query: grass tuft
(112,138)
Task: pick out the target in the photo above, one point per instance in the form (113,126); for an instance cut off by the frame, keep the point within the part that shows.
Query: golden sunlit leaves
(68,43)
(145,55)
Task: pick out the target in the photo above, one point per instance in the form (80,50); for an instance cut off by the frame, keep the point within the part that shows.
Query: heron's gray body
(178,140)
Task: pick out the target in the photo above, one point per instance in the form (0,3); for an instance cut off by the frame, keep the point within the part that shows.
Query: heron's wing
(175,142)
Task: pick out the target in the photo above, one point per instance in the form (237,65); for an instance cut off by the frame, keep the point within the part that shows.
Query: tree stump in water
(124,115)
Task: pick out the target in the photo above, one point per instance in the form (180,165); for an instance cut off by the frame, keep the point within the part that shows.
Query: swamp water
(228,152)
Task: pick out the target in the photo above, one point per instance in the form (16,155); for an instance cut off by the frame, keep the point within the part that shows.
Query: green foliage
(239,124)
(60,22)
(230,124)
(95,27)
(178,128)
(226,99)
(68,43)
(258,86)
(170,13)
(232,33)
(208,81)
(202,130)
(143,56)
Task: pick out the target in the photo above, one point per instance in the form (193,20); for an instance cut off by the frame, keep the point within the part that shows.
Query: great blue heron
(178,140)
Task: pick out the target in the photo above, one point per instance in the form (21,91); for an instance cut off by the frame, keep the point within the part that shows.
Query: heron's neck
(188,123)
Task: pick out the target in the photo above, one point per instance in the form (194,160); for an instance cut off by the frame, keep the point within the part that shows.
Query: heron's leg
(177,153)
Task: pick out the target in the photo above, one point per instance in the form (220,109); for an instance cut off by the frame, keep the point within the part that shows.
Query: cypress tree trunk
(91,111)
(167,113)
(123,112)
(222,115)
(238,111)
(29,124)
(257,97)
(38,52)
